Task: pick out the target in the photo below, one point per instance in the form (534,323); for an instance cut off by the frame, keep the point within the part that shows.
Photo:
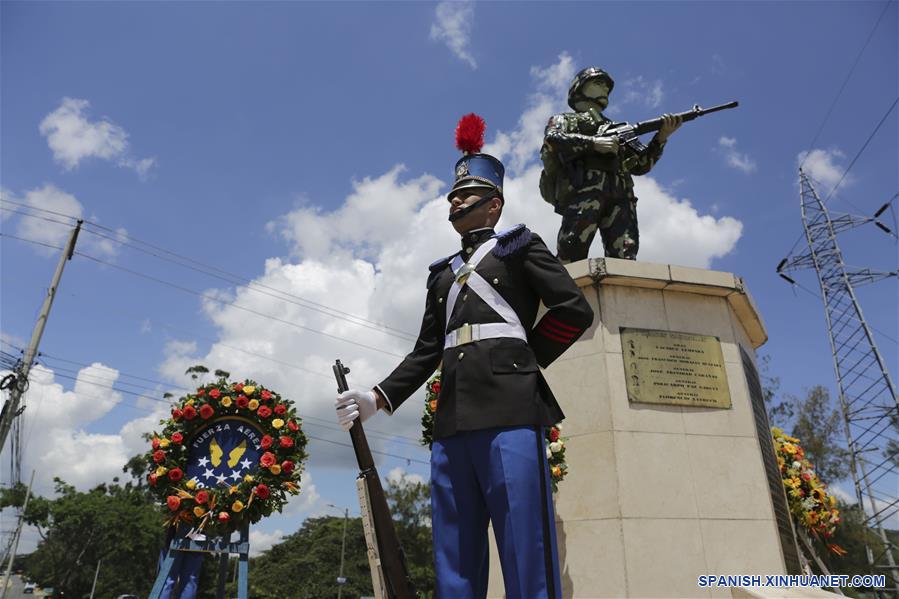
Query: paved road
(15,587)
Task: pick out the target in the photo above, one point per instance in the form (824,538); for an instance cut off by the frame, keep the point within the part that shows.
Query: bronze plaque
(681,369)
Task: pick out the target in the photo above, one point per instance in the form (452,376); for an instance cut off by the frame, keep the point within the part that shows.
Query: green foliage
(309,560)
(819,426)
(113,523)
(196,370)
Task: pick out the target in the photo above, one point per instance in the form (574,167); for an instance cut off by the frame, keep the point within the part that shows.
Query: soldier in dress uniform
(588,178)
(488,460)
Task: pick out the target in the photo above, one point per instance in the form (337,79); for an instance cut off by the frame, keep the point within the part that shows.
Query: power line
(846,81)
(851,164)
(209,297)
(304,422)
(217,273)
(862,149)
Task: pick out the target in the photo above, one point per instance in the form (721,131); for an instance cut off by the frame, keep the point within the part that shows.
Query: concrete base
(658,495)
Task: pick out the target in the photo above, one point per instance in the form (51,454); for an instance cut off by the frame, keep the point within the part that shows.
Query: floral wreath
(223,508)
(811,505)
(555,445)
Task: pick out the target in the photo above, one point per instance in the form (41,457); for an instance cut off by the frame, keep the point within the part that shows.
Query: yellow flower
(275,469)
(161,471)
(236,506)
(232,490)
(277,423)
(248,390)
(556,471)
(191,484)
(254,403)
(248,478)
(226,401)
(163,442)
(198,511)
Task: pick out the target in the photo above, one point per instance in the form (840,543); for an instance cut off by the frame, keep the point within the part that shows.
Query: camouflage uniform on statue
(587,176)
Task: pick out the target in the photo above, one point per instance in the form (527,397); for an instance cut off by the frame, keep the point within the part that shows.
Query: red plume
(470,133)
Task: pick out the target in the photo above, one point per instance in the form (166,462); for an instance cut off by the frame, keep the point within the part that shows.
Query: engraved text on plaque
(682,369)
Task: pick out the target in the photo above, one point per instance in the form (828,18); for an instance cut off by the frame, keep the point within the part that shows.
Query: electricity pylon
(867,395)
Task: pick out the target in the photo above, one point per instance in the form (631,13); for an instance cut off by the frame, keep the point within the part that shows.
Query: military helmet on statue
(575,91)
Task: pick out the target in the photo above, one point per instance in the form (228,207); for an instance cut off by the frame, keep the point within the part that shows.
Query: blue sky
(307,147)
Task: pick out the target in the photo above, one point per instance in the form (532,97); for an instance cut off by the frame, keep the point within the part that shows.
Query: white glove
(353,403)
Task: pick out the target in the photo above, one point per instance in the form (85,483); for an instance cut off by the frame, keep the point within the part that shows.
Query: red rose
(554,434)
(215,394)
(202,497)
(267,459)
(155,443)
(189,412)
(201,392)
(266,441)
(285,441)
(153,478)
(261,491)
(264,411)
(177,438)
(206,411)
(224,517)
(435,388)
(176,414)
(293,425)
(238,386)
(173,502)
(175,475)
(158,456)
(265,395)
(242,401)
(280,409)
(286,466)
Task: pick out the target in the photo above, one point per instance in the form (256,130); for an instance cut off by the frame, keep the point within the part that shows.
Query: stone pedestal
(658,495)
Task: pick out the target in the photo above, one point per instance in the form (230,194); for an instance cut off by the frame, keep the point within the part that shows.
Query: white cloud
(397,474)
(369,257)
(738,160)
(73,137)
(52,229)
(821,165)
(48,197)
(452,25)
(263,541)
(517,149)
(636,91)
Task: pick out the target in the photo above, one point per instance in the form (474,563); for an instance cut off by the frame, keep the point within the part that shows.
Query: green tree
(819,428)
(309,560)
(114,523)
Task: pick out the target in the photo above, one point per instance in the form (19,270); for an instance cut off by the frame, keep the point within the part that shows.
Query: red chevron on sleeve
(553,329)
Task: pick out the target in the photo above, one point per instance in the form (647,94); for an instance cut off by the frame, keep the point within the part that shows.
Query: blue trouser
(500,475)
(185,574)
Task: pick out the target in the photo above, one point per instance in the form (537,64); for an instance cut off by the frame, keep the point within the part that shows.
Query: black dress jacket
(494,382)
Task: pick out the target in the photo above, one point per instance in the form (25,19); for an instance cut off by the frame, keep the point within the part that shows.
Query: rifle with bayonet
(390,560)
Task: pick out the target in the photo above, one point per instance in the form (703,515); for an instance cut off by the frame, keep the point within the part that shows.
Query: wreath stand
(224,547)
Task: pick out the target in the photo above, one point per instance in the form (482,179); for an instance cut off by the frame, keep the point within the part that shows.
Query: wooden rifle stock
(393,560)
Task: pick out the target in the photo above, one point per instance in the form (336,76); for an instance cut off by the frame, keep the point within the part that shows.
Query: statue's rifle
(626,131)
(393,568)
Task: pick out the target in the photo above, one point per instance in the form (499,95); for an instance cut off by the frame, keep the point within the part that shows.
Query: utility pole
(96,574)
(340,579)
(11,408)
(15,545)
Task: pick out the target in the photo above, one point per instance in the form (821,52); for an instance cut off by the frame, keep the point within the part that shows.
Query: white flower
(797,465)
(559,427)
(549,453)
(555,447)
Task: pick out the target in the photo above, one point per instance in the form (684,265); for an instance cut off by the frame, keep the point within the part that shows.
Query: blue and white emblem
(223,452)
